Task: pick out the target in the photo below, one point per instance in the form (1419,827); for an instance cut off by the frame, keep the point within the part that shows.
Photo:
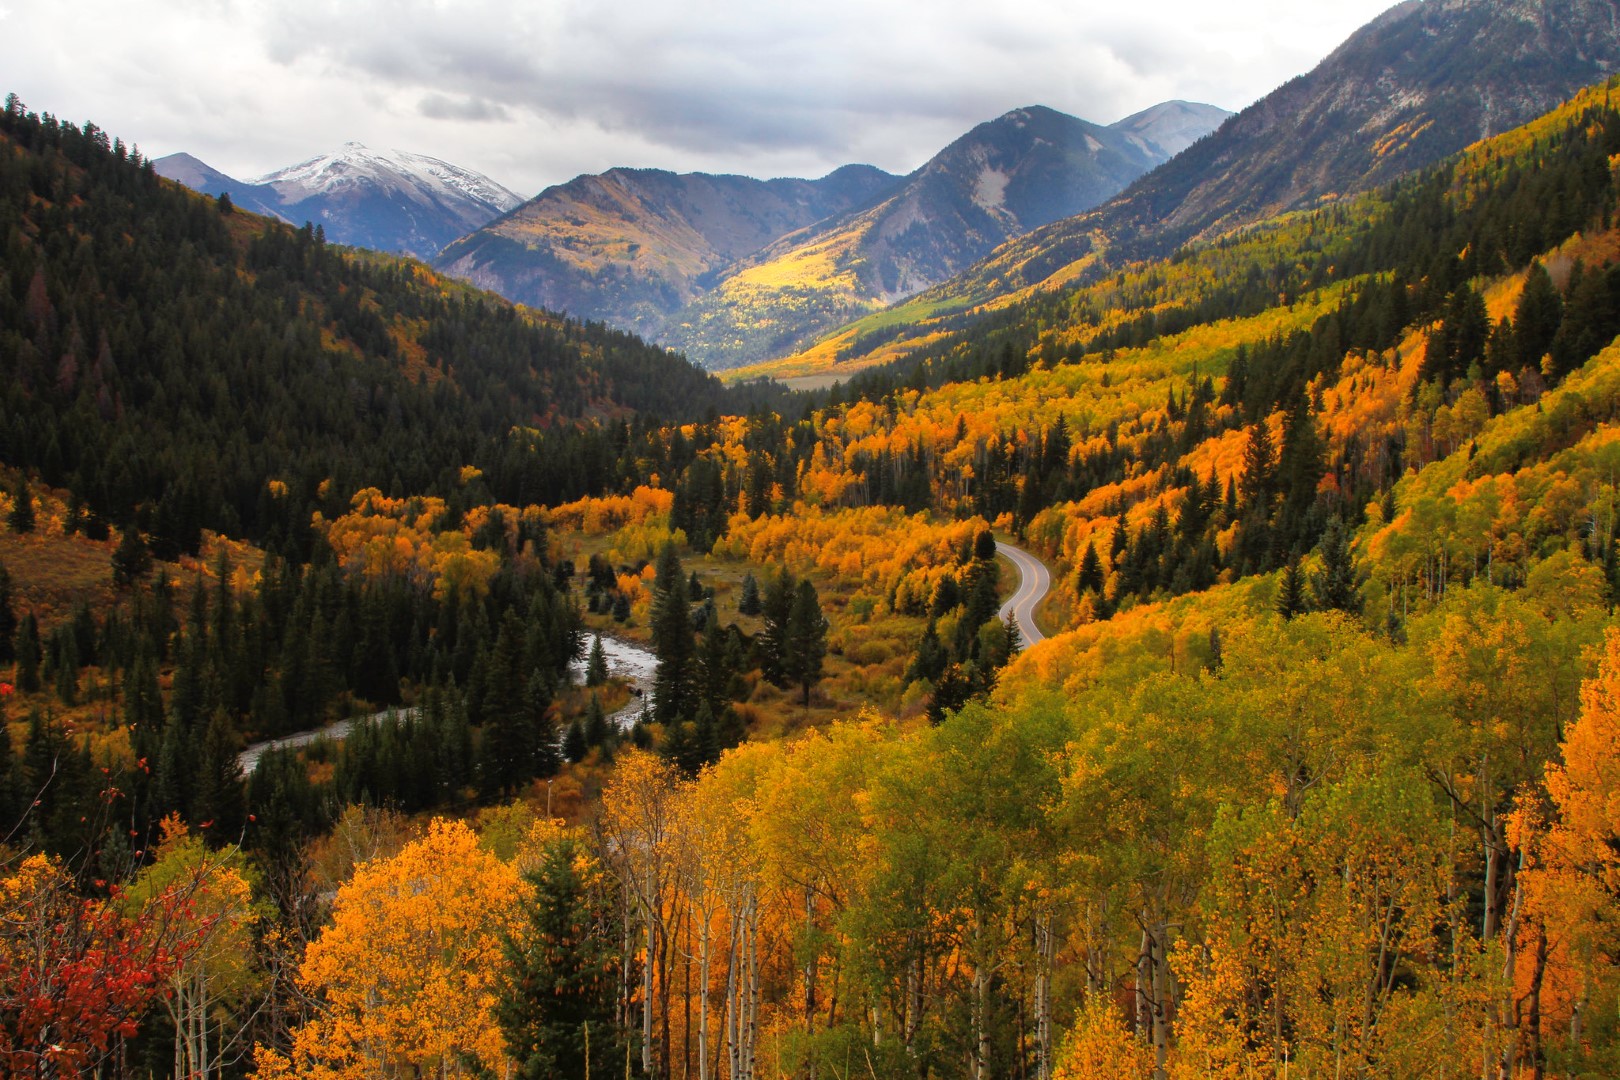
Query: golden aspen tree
(405,974)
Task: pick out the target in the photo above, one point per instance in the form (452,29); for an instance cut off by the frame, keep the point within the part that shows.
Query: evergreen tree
(218,801)
(806,640)
(621,608)
(749,603)
(984,545)
(1536,319)
(954,690)
(1090,575)
(574,746)
(672,640)
(1335,585)
(21,518)
(775,608)
(510,738)
(1291,591)
(558,1000)
(596,725)
(8,618)
(27,653)
(131,561)
(11,790)
(596,668)
(544,753)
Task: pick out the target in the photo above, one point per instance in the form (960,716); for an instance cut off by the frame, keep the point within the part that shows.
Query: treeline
(165,357)
(303,645)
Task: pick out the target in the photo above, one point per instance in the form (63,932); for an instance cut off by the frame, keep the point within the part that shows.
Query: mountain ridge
(387,200)
(1421,81)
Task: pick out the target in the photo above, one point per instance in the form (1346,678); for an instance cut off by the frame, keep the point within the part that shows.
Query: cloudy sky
(533,92)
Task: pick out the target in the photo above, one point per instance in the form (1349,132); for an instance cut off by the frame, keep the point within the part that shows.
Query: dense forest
(1315,774)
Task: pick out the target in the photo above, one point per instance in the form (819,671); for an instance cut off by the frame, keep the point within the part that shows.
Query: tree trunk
(647,1002)
(984,967)
(810,971)
(703,1001)
(1161,992)
(1144,984)
(1045,953)
(1538,1057)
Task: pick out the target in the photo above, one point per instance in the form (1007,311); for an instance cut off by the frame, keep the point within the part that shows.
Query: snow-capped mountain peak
(356,168)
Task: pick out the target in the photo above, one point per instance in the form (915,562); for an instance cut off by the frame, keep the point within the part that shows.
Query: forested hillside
(1315,775)
(165,357)
(1420,82)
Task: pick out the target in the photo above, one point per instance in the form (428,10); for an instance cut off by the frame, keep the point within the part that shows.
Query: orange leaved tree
(405,976)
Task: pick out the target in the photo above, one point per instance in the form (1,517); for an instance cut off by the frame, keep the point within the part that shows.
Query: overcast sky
(534,92)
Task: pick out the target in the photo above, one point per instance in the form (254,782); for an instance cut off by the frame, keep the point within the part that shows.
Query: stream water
(635,665)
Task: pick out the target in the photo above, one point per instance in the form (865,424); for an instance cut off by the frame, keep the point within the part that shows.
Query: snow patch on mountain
(422,179)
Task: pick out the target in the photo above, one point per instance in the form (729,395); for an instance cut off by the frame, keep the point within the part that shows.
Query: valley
(1139,604)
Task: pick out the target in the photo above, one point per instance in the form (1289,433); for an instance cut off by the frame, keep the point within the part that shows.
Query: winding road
(1034,581)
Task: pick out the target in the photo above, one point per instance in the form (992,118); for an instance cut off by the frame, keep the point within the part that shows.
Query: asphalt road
(1033,583)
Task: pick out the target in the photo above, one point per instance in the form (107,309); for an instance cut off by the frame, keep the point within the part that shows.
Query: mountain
(208,351)
(1007,176)
(203,177)
(1422,81)
(1170,127)
(386,200)
(632,246)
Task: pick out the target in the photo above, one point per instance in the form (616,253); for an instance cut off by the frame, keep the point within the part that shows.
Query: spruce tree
(672,640)
(596,668)
(130,562)
(28,654)
(1291,591)
(806,641)
(775,608)
(749,603)
(1090,575)
(595,725)
(509,728)
(574,746)
(1335,585)
(8,618)
(21,518)
(558,991)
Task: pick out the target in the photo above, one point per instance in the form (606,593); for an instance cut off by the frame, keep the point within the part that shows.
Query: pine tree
(1335,585)
(1090,575)
(1257,483)
(1536,319)
(574,746)
(1291,591)
(596,668)
(21,518)
(559,988)
(748,603)
(771,643)
(543,754)
(217,802)
(8,619)
(131,561)
(672,640)
(28,654)
(806,640)
(509,729)
(595,727)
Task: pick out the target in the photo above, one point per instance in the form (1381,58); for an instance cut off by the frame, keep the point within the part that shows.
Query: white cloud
(535,91)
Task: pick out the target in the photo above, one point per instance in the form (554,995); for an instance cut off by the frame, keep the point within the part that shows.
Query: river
(635,665)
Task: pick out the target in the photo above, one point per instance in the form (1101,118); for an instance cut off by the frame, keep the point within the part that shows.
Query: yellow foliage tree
(406,972)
